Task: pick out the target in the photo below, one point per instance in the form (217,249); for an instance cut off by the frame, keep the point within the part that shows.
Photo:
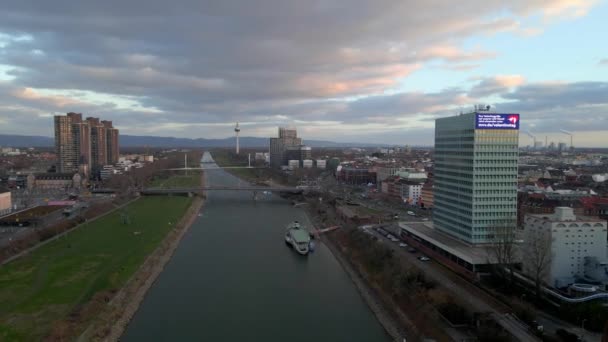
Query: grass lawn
(52,281)
(178,181)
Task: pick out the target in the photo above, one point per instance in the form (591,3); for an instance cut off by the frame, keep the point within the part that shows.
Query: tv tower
(236,131)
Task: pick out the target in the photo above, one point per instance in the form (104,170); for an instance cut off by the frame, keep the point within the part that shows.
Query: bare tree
(537,256)
(503,249)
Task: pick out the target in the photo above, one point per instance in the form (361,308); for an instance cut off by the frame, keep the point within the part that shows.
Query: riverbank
(369,295)
(112,323)
(57,289)
(395,324)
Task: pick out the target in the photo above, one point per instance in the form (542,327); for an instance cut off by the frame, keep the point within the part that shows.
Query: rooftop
(566,214)
(300,235)
(475,255)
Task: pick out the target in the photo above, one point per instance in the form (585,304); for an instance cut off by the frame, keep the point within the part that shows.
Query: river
(232,278)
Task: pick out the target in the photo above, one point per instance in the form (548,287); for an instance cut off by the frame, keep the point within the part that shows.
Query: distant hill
(26,141)
(165,142)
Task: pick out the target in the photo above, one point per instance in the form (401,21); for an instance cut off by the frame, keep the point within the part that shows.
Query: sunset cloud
(190,67)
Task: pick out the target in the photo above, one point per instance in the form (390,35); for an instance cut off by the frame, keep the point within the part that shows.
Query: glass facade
(475,174)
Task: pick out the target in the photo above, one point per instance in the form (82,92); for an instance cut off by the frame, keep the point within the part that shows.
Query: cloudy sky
(342,70)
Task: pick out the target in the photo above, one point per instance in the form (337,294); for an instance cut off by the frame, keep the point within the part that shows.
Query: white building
(307,163)
(293,164)
(321,164)
(576,244)
(410,192)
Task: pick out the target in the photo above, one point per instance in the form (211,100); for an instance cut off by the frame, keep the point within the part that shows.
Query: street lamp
(583,327)
(583,324)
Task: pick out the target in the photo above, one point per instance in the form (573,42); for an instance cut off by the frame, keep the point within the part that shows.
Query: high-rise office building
(475,177)
(288,133)
(84,145)
(288,137)
(298,152)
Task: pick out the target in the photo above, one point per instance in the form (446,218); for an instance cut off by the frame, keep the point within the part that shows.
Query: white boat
(298,238)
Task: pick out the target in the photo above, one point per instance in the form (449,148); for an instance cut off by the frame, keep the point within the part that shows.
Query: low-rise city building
(355,176)
(307,163)
(54,180)
(293,164)
(426,195)
(575,246)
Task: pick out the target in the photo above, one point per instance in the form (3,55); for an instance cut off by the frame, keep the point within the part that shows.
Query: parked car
(423,258)
(425,219)
(411,213)
(412,250)
(403,244)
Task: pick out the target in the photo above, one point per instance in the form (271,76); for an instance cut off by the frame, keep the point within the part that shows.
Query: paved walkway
(465,291)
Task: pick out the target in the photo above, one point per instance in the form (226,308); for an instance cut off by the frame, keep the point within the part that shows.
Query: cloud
(189,67)
(60,102)
(496,85)
(580,106)
(530,31)
(460,67)
(571,8)
(603,61)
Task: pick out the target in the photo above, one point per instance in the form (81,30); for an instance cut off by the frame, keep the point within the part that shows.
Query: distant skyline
(344,71)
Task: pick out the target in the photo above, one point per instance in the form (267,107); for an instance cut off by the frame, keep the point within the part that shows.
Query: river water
(233,278)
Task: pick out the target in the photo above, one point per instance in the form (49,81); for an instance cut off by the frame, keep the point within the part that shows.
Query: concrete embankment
(111,324)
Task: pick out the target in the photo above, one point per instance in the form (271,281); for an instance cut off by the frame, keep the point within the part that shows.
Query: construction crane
(571,137)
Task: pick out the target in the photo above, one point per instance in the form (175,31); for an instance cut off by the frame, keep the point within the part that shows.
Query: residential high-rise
(82,139)
(72,143)
(84,145)
(112,149)
(475,177)
(99,145)
(288,137)
(64,144)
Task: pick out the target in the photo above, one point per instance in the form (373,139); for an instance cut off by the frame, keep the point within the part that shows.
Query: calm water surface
(232,278)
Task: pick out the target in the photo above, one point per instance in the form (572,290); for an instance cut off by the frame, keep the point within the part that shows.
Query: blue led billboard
(496,121)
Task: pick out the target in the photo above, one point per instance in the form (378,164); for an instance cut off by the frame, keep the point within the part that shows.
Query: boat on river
(297,237)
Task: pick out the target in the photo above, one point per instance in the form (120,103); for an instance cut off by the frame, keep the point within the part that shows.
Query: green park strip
(55,282)
(192,179)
